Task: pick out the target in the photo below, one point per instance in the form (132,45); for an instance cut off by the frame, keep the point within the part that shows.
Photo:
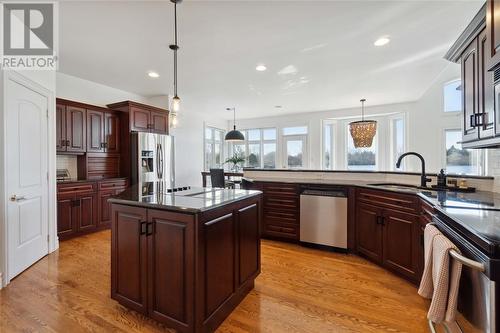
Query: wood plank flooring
(299,290)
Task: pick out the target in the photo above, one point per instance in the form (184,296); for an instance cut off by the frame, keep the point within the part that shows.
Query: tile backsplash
(68,162)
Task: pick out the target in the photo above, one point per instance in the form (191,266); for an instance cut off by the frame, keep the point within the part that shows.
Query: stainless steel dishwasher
(323,217)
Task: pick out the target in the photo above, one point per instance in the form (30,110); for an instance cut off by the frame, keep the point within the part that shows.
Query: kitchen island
(185,258)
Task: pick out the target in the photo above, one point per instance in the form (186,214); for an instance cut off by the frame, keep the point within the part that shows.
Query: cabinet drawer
(277,230)
(280,188)
(402,202)
(112,184)
(76,188)
(289,203)
(277,219)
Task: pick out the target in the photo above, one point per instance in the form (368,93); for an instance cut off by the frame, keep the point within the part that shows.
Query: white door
(295,152)
(26,183)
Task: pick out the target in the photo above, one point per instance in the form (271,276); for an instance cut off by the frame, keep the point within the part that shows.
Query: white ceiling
(319,54)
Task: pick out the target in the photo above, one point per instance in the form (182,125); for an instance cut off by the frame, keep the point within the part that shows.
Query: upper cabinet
(493,32)
(144,118)
(477,50)
(103,131)
(70,129)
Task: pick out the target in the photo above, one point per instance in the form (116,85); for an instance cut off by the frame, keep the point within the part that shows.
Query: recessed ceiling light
(260,68)
(278,106)
(382,41)
(153,75)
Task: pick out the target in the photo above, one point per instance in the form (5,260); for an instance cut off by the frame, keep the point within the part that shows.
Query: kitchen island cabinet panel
(219,261)
(129,257)
(248,231)
(170,257)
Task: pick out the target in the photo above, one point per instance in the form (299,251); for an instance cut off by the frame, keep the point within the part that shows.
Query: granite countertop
(476,213)
(73,180)
(194,200)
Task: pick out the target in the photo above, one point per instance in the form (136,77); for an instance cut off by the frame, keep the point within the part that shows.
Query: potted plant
(236,160)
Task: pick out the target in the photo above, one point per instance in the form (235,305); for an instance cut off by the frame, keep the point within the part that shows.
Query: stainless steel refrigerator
(153,158)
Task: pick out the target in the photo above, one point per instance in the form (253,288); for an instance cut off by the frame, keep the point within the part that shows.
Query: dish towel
(445,277)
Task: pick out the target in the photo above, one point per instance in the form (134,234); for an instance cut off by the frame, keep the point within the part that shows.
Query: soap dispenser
(441,179)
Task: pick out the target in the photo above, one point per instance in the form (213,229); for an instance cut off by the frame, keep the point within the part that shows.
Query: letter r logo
(28,29)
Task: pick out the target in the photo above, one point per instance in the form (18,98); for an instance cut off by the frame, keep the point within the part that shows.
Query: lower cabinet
(154,259)
(76,213)
(390,238)
(83,207)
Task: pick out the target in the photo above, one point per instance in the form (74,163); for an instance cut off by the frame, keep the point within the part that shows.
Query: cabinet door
(95,131)
(171,268)
(60,127)
(470,91)
(140,120)
(493,31)
(159,121)
(249,243)
(104,207)
(129,257)
(485,89)
(75,129)
(401,239)
(112,132)
(65,222)
(85,210)
(369,231)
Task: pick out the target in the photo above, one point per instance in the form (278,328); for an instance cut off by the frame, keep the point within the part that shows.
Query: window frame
(481,158)
(443,111)
(392,138)
(213,143)
(375,143)
(333,128)
(261,142)
(305,150)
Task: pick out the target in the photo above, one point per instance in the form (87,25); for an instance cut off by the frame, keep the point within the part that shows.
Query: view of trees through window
(458,160)
(259,148)
(361,158)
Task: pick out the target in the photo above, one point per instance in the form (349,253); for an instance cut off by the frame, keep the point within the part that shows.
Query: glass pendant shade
(173,120)
(363,132)
(176,103)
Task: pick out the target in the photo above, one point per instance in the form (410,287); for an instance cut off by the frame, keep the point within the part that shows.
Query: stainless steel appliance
(478,293)
(152,158)
(323,217)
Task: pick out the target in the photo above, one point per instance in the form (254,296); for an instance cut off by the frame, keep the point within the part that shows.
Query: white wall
(425,125)
(80,90)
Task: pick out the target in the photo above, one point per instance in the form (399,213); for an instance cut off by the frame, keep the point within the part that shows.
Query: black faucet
(423,178)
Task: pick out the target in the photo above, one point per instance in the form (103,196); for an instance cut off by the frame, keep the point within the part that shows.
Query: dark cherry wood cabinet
(369,231)
(82,207)
(70,129)
(103,131)
(185,270)
(388,231)
(470,95)
(493,32)
(142,117)
(77,209)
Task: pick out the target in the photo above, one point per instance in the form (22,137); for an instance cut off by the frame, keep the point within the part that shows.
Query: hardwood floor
(299,290)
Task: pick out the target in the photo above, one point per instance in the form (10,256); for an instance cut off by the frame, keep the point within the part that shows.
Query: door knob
(17,197)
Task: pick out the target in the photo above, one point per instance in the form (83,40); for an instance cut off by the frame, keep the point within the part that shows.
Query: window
(299,130)
(214,148)
(328,147)
(461,161)
(361,158)
(295,147)
(398,140)
(259,148)
(452,96)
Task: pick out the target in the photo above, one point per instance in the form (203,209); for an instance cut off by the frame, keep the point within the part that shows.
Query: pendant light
(363,131)
(234,135)
(176,101)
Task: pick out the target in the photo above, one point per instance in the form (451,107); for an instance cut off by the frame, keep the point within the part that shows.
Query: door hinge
(47,176)
(48,238)
(47,113)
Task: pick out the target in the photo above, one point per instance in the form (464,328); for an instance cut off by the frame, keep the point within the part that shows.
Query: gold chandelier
(363,131)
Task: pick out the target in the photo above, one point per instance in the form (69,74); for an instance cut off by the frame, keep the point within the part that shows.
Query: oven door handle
(467,262)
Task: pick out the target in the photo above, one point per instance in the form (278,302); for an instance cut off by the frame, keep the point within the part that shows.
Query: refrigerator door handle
(158,160)
(160,170)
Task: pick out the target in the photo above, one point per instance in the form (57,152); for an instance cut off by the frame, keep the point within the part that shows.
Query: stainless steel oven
(478,294)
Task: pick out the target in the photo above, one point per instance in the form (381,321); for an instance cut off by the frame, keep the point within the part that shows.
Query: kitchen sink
(404,187)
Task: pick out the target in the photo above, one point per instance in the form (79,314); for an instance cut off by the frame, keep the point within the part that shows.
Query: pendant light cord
(362,109)
(176,48)
(234,118)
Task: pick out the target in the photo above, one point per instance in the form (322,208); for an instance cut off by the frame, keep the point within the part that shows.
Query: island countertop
(192,200)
